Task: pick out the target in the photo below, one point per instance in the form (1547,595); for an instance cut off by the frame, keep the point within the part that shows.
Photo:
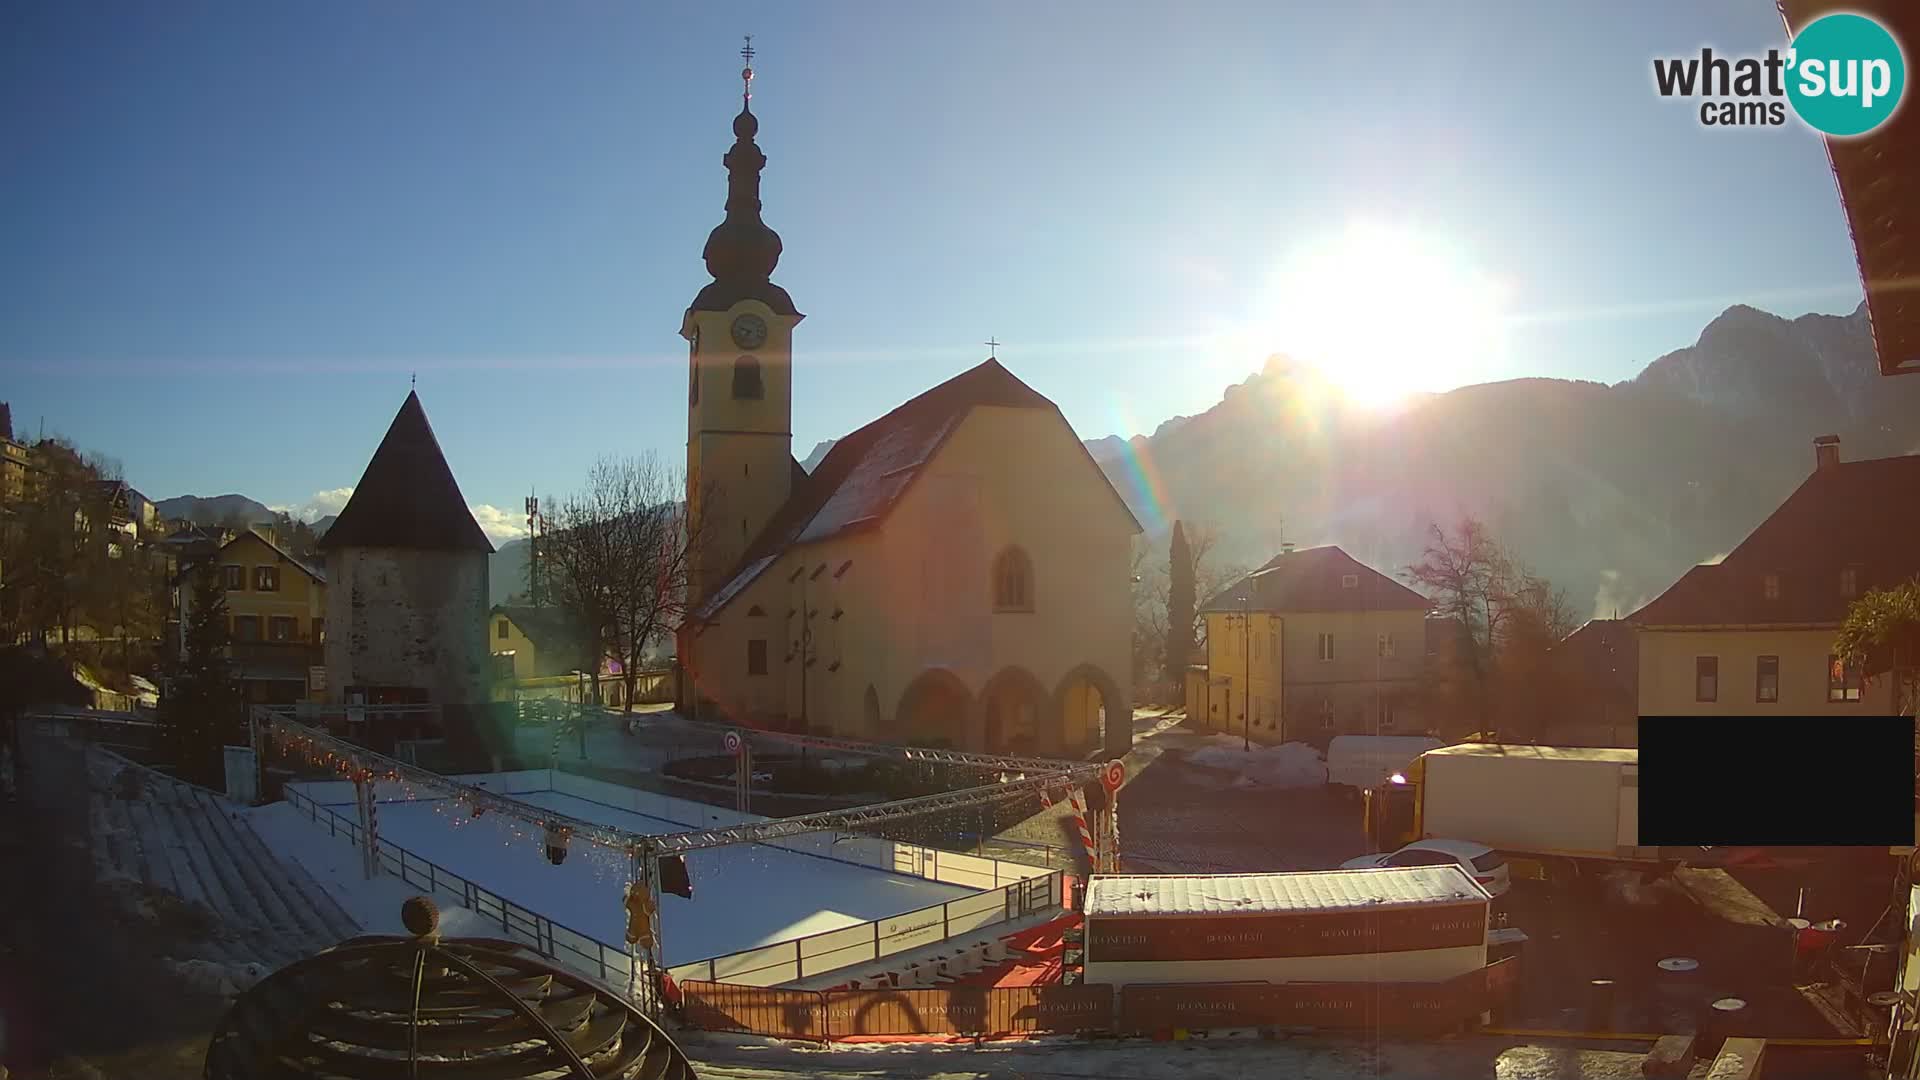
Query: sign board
(316,679)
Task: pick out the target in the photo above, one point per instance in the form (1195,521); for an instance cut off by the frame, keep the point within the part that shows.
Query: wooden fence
(1126,1010)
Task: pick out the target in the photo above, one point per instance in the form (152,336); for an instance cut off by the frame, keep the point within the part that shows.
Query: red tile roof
(1312,579)
(864,475)
(1863,515)
(1877,174)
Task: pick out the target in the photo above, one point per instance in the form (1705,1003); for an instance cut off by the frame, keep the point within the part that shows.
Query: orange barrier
(822,1016)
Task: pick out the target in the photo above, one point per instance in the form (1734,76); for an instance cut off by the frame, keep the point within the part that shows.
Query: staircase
(198,846)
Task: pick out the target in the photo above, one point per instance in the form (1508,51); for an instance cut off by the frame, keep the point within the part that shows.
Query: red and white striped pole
(1077,799)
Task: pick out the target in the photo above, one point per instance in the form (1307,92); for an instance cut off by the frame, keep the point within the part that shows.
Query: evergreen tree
(1180,604)
(202,704)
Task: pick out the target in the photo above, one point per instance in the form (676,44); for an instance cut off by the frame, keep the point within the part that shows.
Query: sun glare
(1384,312)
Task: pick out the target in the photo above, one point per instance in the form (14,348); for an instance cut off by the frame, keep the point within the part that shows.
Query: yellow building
(533,642)
(955,572)
(1312,645)
(276,617)
(1753,634)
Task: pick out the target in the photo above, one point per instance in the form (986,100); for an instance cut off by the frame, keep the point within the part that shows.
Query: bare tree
(1501,665)
(616,555)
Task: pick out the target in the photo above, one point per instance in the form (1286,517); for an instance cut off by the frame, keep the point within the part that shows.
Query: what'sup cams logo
(1842,74)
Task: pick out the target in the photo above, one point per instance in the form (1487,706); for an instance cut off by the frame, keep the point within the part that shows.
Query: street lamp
(1246,657)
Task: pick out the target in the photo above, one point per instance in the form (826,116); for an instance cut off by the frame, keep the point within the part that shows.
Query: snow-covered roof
(1613,755)
(864,475)
(1267,894)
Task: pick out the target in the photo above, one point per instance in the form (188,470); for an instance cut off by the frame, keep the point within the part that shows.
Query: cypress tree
(1180,603)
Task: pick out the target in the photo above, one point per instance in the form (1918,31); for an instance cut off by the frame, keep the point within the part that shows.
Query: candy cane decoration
(1078,800)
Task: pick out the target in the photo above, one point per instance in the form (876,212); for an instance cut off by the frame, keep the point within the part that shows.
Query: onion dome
(742,251)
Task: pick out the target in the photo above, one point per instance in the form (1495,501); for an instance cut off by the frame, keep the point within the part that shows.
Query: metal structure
(460,1009)
(1016,778)
(926,755)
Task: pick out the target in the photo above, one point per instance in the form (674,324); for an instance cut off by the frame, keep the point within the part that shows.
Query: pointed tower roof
(407,498)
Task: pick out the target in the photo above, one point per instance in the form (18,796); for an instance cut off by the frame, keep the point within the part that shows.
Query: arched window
(746,378)
(1012,581)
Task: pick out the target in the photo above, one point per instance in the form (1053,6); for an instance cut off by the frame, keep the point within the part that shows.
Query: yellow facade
(739,442)
(504,636)
(285,605)
(1671,671)
(1286,676)
(1245,673)
(906,644)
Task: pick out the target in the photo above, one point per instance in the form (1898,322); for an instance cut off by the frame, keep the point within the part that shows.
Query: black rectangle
(1777,781)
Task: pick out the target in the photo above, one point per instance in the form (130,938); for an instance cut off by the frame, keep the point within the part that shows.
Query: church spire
(742,251)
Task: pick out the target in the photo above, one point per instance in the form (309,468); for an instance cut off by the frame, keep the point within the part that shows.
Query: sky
(235,231)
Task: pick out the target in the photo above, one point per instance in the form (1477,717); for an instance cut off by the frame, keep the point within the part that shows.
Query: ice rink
(744,895)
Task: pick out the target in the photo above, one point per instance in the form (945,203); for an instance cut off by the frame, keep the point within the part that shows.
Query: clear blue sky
(232,230)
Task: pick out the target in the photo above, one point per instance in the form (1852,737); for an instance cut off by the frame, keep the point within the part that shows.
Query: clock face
(749,331)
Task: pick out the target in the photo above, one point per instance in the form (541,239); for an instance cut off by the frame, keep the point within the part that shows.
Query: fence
(1124,1010)
(1009,891)
(587,955)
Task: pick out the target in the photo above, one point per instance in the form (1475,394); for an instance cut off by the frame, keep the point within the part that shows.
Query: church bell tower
(739,333)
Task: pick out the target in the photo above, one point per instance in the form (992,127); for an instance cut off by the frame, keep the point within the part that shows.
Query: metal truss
(991,762)
(861,816)
(481,799)
(1053,774)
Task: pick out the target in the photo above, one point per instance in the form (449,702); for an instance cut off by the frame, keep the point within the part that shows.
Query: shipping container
(1412,924)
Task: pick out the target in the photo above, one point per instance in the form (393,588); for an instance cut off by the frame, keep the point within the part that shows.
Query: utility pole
(1246,658)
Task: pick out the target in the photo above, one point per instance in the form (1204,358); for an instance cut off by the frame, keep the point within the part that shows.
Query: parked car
(1487,866)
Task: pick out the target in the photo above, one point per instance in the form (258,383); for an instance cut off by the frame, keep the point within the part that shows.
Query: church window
(1013,581)
(693,370)
(746,378)
(757,656)
(500,630)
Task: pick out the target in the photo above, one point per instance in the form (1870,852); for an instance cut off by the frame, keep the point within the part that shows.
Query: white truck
(1562,809)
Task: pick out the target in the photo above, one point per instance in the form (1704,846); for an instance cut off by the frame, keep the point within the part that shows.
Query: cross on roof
(995,346)
(746,73)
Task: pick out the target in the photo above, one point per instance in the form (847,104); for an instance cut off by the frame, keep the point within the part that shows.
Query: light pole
(1246,657)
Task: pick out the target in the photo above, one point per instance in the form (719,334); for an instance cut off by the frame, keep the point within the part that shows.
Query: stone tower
(739,332)
(407,579)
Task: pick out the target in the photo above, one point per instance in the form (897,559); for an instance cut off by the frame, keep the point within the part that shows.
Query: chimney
(1826,452)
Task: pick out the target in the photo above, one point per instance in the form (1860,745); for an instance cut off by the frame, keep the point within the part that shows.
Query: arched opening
(1015,705)
(1012,580)
(870,713)
(933,711)
(1093,713)
(746,379)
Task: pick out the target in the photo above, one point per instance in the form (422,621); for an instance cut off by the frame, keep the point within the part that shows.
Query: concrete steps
(198,846)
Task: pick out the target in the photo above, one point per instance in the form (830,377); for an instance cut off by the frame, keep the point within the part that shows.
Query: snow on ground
(1289,765)
(336,866)
(743,895)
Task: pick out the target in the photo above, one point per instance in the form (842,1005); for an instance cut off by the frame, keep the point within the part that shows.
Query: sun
(1384,312)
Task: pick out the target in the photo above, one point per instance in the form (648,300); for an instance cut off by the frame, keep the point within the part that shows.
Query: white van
(1361,762)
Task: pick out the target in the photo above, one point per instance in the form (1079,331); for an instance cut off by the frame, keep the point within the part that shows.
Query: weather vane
(746,73)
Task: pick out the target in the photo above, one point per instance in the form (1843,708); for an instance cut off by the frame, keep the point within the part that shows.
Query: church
(956,573)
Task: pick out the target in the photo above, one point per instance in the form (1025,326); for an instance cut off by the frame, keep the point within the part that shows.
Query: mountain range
(1611,492)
